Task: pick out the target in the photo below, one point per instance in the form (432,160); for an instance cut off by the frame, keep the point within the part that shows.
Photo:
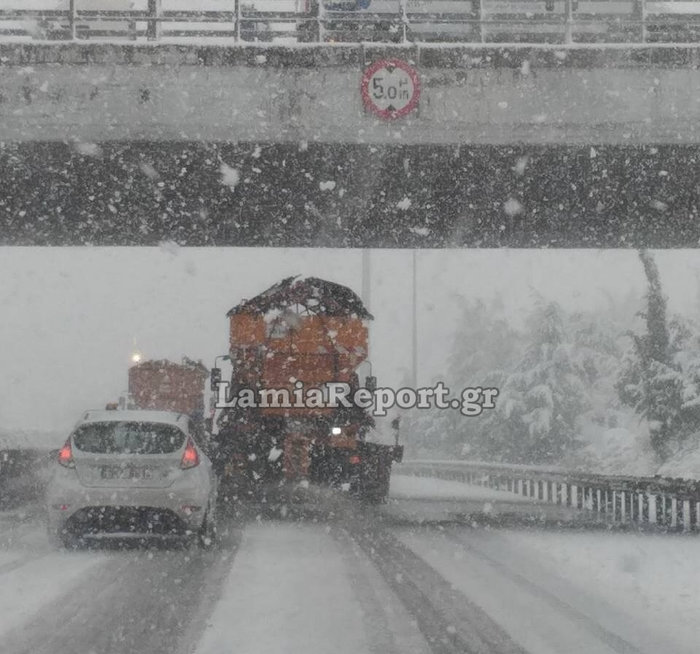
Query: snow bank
(617,451)
(627,450)
(31,440)
(409,487)
(653,577)
(685,462)
(574,592)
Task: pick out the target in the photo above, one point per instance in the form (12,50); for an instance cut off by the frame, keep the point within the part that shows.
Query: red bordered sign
(390,88)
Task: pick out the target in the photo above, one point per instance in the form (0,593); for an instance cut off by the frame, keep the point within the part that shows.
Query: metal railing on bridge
(661,502)
(355,21)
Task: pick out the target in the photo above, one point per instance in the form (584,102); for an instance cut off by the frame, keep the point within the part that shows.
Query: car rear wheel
(66,539)
(55,539)
(207,532)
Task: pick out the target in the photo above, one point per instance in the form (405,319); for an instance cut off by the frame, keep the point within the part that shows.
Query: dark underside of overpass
(141,193)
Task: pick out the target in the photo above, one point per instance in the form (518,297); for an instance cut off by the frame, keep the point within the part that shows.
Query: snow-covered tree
(428,432)
(685,357)
(542,399)
(650,380)
(486,349)
(596,346)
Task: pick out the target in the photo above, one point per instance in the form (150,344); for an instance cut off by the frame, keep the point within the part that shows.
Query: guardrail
(353,21)
(661,502)
(23,475)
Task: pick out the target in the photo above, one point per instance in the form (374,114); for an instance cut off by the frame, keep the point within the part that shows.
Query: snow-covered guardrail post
(644,497)
(665,503)
(604,503)
(684,513)
(155,11)
(321,20)
(569,13)
(634,506)
(72,18)
(680,514)
(639,14)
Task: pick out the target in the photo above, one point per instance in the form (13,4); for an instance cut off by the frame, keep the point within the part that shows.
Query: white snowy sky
(71,317)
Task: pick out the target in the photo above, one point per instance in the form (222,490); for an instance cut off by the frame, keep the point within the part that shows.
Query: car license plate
(126,472)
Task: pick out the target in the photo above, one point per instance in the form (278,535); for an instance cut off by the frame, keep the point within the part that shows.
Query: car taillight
(354,459)
(190,458)
(65,455)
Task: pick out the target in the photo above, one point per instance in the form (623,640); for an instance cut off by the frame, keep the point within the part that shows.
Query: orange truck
(289,344)
(167,386)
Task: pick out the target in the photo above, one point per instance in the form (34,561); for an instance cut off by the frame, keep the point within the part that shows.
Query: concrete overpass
(519,145)
(468,94)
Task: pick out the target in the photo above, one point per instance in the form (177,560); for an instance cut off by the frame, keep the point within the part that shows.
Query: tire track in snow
(448,620)
(140,601)
(65,611)
(20,562)
(390,628)
(611,639)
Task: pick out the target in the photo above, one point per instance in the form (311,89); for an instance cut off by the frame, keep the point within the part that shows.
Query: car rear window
(128,438)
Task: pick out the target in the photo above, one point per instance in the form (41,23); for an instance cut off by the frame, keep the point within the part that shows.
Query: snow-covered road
(301,588)
(354,580)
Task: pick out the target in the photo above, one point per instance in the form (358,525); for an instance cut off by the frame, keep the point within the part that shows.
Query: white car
(130,474)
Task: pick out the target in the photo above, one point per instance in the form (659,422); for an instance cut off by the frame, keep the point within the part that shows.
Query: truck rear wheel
(376,493)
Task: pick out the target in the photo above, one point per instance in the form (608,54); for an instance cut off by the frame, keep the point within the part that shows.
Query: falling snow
(229,176)
(512,207)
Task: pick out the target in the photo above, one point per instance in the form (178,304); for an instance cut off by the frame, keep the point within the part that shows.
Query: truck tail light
(355,459)
(190,457)
(65,455)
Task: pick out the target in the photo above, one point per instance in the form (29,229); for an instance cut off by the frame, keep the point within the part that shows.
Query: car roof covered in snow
(317,295)
(135,415)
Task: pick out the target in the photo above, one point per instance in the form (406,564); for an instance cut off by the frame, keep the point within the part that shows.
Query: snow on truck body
(167,386)
(310,332)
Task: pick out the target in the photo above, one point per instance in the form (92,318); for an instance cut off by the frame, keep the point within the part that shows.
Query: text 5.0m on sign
(390,88)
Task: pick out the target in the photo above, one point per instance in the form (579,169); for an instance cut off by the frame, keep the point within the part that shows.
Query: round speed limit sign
(390,88)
